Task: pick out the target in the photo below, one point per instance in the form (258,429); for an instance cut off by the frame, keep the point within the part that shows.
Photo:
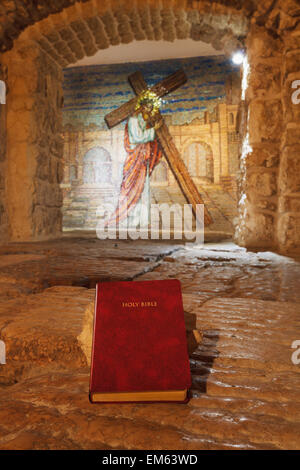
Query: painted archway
(97,167)
(198,157)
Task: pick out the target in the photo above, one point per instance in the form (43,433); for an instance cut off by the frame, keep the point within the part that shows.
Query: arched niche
(160,174)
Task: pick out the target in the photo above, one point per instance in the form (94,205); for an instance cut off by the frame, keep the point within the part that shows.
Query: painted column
(222,112)
(215,131)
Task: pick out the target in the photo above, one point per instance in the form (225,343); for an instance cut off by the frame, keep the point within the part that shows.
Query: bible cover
(139,344)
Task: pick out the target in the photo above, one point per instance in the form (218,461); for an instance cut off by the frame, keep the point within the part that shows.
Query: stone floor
(245,392)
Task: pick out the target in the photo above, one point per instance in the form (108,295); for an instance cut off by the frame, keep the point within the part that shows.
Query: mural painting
(201,116)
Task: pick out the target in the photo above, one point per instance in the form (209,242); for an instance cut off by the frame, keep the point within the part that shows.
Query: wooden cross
(171,83)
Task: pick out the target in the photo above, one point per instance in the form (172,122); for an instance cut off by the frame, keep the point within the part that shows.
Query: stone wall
(85,26)
(289,173)
(34,145)
(260,152)
(270,164)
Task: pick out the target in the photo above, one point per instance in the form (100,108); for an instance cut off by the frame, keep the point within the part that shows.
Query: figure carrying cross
(146,137)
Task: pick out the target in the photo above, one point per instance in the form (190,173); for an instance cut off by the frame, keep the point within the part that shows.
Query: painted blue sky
(91,92)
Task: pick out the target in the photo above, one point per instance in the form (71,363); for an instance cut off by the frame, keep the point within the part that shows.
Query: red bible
(139,347)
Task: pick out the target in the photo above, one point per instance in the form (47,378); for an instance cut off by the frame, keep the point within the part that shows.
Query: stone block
(265,123)
(289,176)
(262,183)
(292,64)
(47,194)
(47,221)
(289,203)
(291,136)
(2,178)
(263,155)
(289,232)
(18,126)
(43,164)
(260,228)
(269,204)
(21,103)
(17,156)
(292,42)
(262,45)
(60,309)
(265,79)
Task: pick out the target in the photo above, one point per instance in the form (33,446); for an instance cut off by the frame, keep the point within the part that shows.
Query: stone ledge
(43,328)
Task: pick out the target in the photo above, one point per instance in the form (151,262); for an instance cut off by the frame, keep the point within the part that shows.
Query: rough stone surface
(43,37)
(262,130)
(289,175)
(245,392)
(95,24)
(34,146)
(91,25)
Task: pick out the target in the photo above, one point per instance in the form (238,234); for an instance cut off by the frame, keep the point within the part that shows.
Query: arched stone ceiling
(68,30)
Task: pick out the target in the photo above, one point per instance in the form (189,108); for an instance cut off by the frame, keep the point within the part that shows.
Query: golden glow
(149,97)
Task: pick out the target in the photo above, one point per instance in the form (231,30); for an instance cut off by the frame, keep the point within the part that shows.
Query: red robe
(134,175)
